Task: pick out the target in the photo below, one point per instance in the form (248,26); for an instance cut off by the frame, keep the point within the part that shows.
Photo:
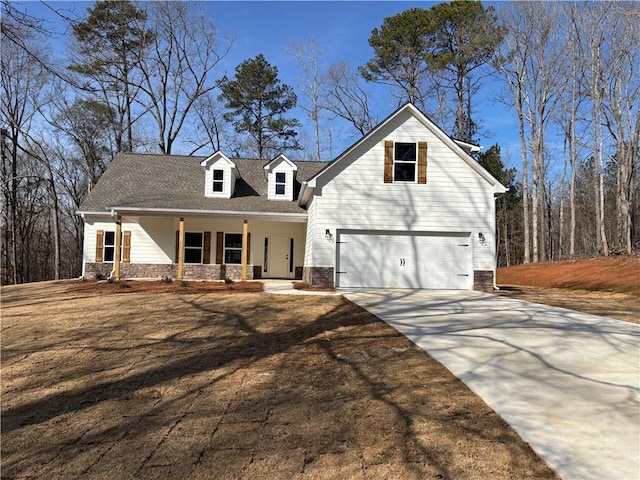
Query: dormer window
(281,183)
(281,175)
(220,175)
(218,180)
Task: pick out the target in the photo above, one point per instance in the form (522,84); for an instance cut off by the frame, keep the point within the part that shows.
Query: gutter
(111,211)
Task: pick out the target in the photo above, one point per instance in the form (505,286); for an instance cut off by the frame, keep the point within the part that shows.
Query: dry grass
(232,385)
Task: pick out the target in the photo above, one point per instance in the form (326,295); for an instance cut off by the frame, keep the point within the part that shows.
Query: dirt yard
(602,286)
(123,383)
(612,274)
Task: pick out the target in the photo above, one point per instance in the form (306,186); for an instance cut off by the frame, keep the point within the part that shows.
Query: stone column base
(483,280)
(318,276)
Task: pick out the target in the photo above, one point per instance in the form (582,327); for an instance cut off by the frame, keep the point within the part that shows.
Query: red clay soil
(612,274)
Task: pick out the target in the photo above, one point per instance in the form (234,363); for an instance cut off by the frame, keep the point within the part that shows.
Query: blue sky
(341,28)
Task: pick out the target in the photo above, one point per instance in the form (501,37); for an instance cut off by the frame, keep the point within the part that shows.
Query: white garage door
(389,260)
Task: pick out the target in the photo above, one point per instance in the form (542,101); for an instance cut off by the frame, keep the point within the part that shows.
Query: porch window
(281,183)
(106,246)
(218,180)
(109,246)
(193,247)
(233,248)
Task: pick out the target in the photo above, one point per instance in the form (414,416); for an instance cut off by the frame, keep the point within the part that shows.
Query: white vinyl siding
(228,180)
(276,170)
(153,238)
(455,199)
(311,236)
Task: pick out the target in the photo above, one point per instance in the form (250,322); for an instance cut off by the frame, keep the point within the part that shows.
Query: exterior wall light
(327,234)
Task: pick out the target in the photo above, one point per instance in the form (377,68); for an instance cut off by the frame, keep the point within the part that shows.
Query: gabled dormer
(220,176)
(280,174)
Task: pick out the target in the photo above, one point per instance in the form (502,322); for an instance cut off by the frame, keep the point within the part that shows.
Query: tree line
(146,77)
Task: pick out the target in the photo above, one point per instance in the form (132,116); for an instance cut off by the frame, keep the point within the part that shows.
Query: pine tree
(257,102)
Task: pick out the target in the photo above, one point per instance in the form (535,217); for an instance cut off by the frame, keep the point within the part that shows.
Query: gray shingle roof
(176,182)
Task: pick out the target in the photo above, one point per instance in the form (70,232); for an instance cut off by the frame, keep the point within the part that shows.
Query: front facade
(404,207)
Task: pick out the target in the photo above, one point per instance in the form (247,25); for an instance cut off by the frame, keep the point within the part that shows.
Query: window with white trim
(404,162)
(233,248)
(281,183)
(109,249)
(193,247)
(218,180)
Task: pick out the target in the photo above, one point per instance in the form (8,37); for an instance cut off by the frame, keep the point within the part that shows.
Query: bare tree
(621,107)
(308,56)
(177,66)
(210,125)
(22,80)
(347,98)
(535,71)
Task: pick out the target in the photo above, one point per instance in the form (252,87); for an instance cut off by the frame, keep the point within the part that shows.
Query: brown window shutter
(206,246)
(388,161)
(177,245)
(219,247)
(248,247)
(126,246)
(422,162)
(99,245)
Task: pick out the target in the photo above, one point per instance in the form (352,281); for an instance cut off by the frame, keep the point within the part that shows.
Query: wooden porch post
(181,250)
(245,253)
(116,254)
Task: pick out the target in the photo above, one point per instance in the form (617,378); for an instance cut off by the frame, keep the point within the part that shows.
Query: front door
(279,257)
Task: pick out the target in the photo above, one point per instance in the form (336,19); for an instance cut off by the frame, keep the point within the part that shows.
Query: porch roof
(176,183)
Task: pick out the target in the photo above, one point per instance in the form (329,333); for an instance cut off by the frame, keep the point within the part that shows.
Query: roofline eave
(112,211)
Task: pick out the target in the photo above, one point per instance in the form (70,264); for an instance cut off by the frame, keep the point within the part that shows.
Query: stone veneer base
(318,276)
(483,280)
(190,271)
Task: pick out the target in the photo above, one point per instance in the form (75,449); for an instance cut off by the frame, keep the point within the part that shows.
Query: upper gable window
(218,180)
(404,162)
(281,183)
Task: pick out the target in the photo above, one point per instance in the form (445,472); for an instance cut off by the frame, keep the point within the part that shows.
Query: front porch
(196,247)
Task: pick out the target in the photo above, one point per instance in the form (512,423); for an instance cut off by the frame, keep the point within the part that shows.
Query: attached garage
(404,260)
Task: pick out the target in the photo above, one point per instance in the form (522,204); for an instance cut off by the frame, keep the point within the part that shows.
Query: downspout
(495,263)
(82,275)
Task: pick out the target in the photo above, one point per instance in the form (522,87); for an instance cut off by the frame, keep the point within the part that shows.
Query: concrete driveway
(568,382)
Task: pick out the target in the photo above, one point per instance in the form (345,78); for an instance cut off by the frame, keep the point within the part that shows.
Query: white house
(404,207)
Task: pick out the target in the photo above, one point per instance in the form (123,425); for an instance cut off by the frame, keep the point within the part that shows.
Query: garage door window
(404,162)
